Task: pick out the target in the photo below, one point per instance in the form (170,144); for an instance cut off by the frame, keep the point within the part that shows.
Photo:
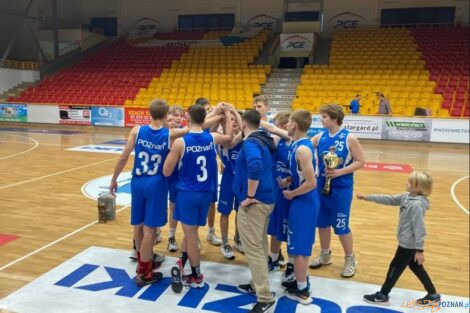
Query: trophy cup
(331,161)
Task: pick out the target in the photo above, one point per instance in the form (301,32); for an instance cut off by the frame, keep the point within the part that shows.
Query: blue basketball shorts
(192,207)
(227,200)
(335,209)
(303,214)
(149,200)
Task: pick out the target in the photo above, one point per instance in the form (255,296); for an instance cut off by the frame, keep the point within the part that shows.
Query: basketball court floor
(52,248)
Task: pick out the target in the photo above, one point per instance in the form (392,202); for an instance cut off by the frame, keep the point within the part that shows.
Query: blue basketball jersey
(342,150)
(296,173)
(198,164)
(282,159)
(151,149)
(229,156)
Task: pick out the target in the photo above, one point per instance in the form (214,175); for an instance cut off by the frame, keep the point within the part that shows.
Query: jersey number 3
(201,161)
(156,159)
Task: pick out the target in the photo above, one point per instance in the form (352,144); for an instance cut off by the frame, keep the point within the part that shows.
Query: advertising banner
(447,130)
(12,112)
(297,42)
(75,114)
(409,129)
(364,126)
(43,113)
(107,116)
(136,116)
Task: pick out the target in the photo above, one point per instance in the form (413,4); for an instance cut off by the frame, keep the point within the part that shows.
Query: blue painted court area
(115,142)
(40,131)
(102,280)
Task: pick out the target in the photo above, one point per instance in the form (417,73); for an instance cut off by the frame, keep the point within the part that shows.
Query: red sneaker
(149,278)
(194,282)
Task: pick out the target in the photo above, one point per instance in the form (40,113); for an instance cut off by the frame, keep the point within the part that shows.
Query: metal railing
(22,65)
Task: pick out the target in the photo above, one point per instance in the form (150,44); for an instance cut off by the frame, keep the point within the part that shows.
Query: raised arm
(275,130)
(123,159)
(178,132)
(173,157)
(226,138)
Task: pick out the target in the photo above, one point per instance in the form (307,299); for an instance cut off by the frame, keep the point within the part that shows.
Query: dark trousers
(403,258)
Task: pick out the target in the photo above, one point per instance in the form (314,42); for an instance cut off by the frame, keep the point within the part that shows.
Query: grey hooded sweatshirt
(411,229)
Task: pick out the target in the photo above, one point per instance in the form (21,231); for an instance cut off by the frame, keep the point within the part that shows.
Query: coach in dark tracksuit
(253,186)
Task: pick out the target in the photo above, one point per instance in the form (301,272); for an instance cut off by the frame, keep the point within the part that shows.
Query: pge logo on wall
(346,20)
(95,187)
(262,21)
(144,27)
(297,42)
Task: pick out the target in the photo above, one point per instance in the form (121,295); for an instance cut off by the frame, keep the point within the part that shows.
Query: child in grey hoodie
(411,232)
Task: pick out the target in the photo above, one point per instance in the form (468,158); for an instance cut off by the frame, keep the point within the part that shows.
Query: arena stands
(367,61)
(445,50)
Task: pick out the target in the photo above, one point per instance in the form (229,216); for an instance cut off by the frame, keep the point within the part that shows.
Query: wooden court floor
(41,203)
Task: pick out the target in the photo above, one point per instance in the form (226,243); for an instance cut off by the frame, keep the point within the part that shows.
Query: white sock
(325,251)
(211,230)
(172,233)
(301,285)
(274,256)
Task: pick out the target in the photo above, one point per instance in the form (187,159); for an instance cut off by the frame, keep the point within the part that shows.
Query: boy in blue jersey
(211,119)
(335,208)
(196,155)
(254,188)
(227,200)
(303,210)
(148,186)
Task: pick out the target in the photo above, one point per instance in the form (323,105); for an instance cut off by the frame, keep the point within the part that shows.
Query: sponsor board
(102,280)
(345,20)
(136,116)
(75,114)
(107,116)
(300,42)
(363,126)
(43,113)
(143,28)
(409,129)
(450,130)
(12,112)
(263,21)
(180,43)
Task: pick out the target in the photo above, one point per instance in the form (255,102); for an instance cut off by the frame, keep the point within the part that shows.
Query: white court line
(452,192)
(42,143)
(54,242)
(54,174)
(36,144)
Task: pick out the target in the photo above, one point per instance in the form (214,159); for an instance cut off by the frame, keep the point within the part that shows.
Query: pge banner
(450,130)
(75,114)
(136,116)
(12,112)
(409,129)
(107,116)
(300,42)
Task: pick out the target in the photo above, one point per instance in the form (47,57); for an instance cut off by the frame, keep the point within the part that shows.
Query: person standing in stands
(253,185)
(148,186)
(355,105)
(384,105)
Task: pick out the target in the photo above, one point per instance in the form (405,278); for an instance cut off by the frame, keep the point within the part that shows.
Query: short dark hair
(158,109)
(197,114)
(252,118)
(202,101)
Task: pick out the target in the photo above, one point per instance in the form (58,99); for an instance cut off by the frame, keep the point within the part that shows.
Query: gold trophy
(331,161)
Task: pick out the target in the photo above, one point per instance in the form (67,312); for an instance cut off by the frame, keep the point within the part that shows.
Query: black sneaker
(281,260)
(273,266)
(301,296)
(149,278)
(429,299)
(261,307)
(377,298)
(176,279)
(246,289)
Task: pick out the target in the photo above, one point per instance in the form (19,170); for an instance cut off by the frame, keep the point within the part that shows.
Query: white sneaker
(158,236)
(133,256)
(322,259)
(350,265)
(172,245)
(227,252)
(238,245)
(213,239)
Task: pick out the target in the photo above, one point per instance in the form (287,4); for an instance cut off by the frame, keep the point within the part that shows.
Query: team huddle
(273,175)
